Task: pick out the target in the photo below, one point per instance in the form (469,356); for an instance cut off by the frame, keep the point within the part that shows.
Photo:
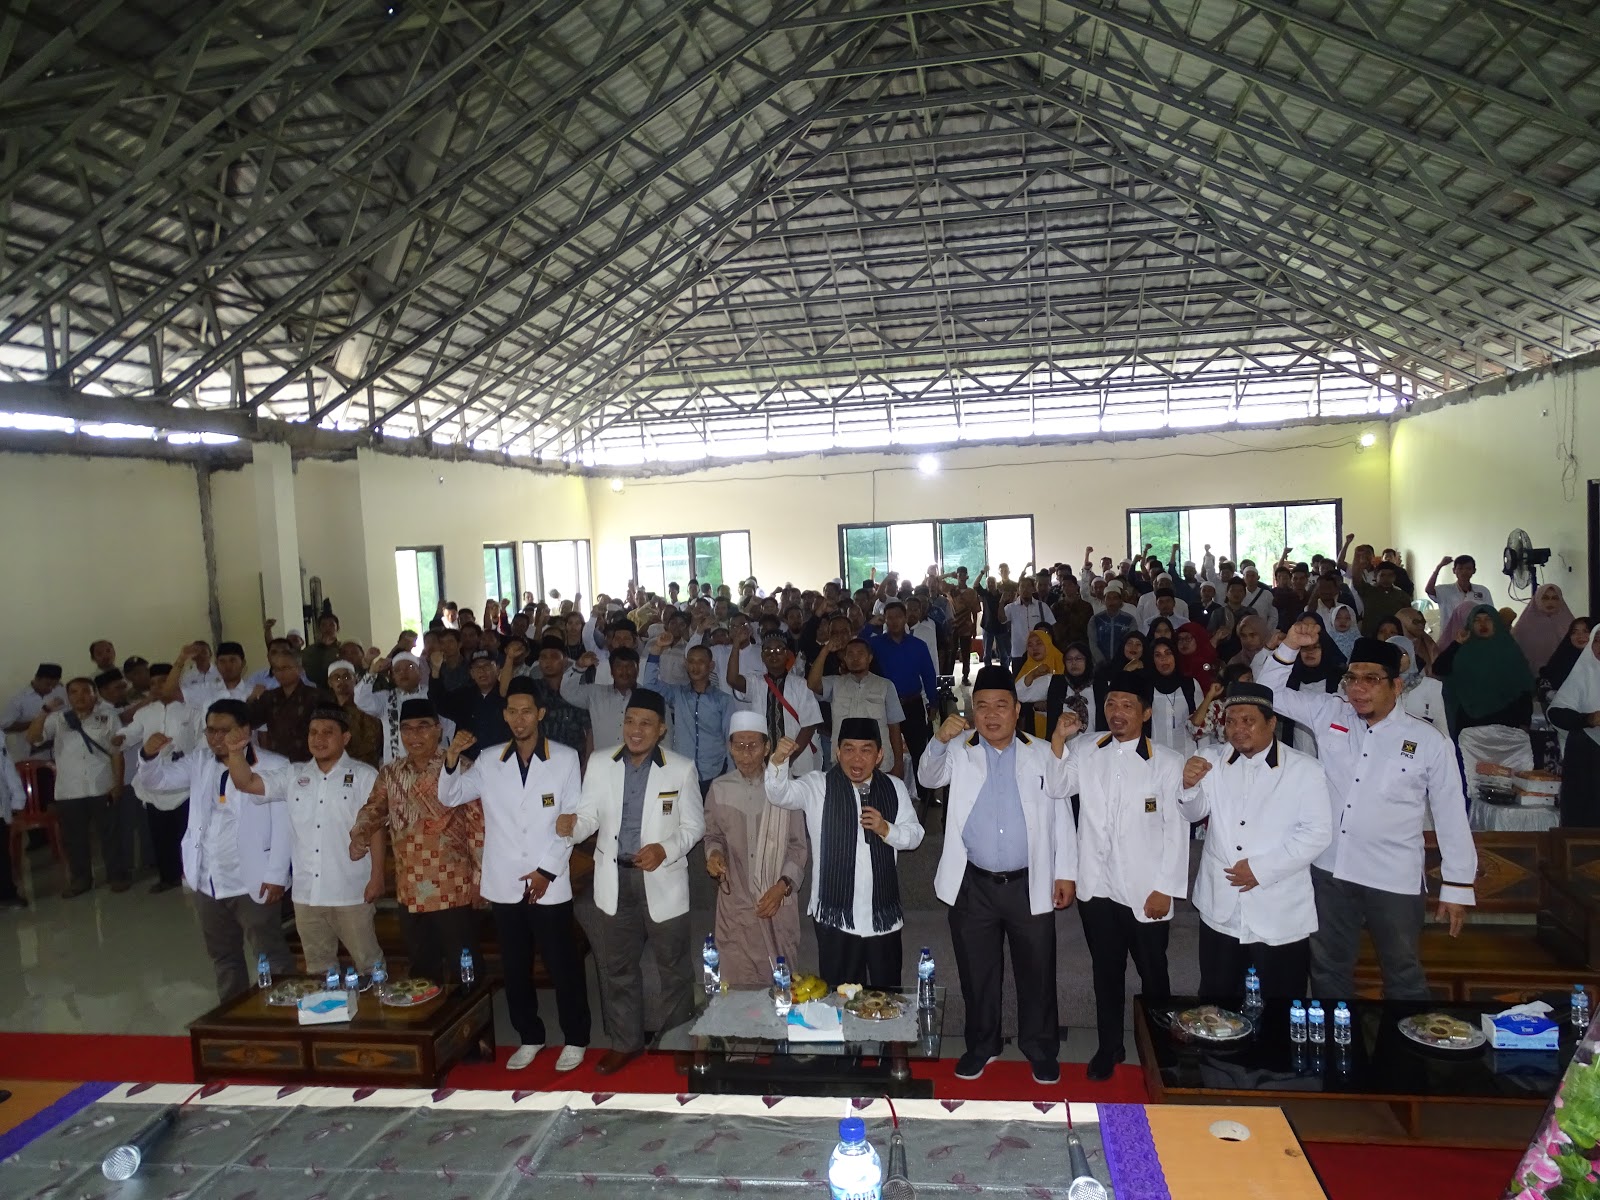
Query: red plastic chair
(38,789)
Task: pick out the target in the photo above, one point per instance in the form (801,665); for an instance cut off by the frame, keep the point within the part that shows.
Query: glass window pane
(1312,529)
(1207,526)
(911,549)
(1010,542)
(1158,530)
(531,579)
(1260,536)
(430,583)
(647,567)
(405,576)
(961,544)
(865,548)
(675,564)
(1134,540)
(735,557)
(707,562)
(580,550)
(491,573)
(558,567)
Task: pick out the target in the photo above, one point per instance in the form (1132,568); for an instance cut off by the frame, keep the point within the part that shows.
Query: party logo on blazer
(667,801)
(548,800)
(1150,804)
(349,778)
(1409,749)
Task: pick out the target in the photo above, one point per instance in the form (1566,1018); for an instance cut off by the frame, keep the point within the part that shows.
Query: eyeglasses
(1351,679)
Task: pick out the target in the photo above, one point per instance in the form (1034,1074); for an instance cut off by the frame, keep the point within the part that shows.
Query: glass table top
(746,1022)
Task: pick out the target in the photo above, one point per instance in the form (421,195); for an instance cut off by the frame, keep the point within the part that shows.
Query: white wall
(1463,475)
(1079,494)
(96,547)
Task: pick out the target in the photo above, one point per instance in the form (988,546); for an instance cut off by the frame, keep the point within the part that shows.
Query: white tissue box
(816,1021)
(1514,1030)
(327,1008)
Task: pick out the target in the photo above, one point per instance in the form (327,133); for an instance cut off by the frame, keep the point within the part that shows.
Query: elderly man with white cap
(1270,818)
(408,680)
(757,853)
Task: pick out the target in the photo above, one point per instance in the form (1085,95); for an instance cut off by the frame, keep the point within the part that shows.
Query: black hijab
(1176,681)
(1325,676)
(1565,656)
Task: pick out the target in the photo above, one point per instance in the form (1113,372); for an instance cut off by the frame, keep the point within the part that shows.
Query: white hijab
(1581,691)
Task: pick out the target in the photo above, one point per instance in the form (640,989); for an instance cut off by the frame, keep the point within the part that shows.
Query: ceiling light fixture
(616,485)
(928,464)
(1368,440)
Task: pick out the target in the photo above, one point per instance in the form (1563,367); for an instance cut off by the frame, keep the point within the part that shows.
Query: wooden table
(1383,1088)
(393,1047)
(1201,1165)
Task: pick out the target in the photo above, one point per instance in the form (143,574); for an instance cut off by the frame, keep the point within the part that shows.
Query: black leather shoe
(1104,1063)
(1046,1073)
(971,1064)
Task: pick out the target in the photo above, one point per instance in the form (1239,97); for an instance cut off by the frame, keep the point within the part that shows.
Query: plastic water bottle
(1341,1024)
(1580,1008)
(782,987)
(352,979)
(1252,993)
(380,973)
(330,981)
(263,972)
(1297,1022)
(925,969)
(854,1170)
(1317,1023)
(469,973)
(712,975)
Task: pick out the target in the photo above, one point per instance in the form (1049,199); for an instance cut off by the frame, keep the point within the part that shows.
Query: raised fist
(951,728)
(155,744)
(784,749)
(1195,770)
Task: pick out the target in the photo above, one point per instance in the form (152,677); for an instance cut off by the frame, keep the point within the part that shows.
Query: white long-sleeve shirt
(1271,809)
(1383,779)
(177,722)
(322,807)
(1132,837)
(808,793)
(385,705)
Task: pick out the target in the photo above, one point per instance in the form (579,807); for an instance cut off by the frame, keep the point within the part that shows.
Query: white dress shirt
(519,816)
(808,793)
(176,721)
(1132,837)
(926,630)
(323,806)
(806,712)
(1022,618)
(1450,596)
(1424,700)
(1383,780)
(81,769)
(1272,809)
(24,706)
(12,798)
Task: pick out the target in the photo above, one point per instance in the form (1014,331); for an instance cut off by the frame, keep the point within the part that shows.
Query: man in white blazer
(1010,849)
(526,785)
(236,853)
(1133,856)
(1270,818)
(644,801)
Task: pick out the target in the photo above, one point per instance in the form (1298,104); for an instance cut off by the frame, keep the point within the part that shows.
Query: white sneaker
(522,1056)
(571,1058)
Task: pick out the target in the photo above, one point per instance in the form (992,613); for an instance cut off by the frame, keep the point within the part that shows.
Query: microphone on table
(896,1183)
(123,1162)
(1084,1185)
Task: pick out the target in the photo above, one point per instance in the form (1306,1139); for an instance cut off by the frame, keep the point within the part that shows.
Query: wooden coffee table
(386,1046)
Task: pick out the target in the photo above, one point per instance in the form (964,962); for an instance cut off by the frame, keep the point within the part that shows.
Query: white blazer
(519,817)
(1042,780)
(1273,811)
(673,819)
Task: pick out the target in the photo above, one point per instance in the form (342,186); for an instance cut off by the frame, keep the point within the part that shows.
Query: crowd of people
(1305,716)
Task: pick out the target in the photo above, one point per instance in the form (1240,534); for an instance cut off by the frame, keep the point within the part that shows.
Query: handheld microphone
(123,1162)
(896,1183)
(1084,1185)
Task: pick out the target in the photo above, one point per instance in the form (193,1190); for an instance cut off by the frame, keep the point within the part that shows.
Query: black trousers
(986,916)
(1282,970)
(547,928)
(79,815)
(1114,934)
(844,957)
(8,882)
(434,941)
(916,733)
(167,828)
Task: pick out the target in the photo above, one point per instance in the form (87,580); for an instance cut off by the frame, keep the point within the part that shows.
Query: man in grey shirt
(605,702)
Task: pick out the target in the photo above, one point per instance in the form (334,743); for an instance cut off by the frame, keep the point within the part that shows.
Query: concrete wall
(1079,494)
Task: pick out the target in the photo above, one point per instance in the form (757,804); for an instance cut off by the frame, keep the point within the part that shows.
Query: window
(419,572)
(500,572)
(911,547)
(714,558)
(556,571)
(1239,531)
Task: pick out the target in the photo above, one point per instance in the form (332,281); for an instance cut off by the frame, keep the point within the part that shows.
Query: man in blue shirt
(700,709)
(903,660)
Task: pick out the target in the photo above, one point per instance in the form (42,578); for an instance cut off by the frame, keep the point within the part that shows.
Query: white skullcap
(747,722)
(406,656)
(339,664)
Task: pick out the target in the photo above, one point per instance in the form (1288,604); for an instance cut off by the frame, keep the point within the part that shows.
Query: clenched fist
(155,744)
(565,824)
(784,749)
(1195,770)
(951,728)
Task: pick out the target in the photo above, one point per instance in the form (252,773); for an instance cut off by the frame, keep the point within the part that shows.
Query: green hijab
(1487,673)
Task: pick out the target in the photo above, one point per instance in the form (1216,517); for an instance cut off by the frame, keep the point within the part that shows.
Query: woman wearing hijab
(1161,627)
(1040,664)
(1174,699)
(1415,628)
(1197,657)
(1387,628)
(1343,627)
(1486,678)
(1576,710)
(1131,656)
(1316,668)
(1561,661)
(1073,689)
(1421,695)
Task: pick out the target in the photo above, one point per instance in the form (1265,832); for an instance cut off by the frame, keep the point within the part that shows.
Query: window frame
(938,524)
(438,553)
(537,585)
(1233,524)
(719,534)
(513,549)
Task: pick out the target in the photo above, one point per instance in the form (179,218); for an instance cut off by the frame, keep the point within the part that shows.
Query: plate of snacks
(1209,1023)
(874,1006)
(408,993)
(287,994)
(1440,1031)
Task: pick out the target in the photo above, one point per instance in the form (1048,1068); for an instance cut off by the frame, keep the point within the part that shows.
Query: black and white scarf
(836,868)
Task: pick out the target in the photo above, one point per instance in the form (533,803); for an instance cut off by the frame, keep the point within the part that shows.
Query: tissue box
(1521,1031)
(815,1021)
(326,1008)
